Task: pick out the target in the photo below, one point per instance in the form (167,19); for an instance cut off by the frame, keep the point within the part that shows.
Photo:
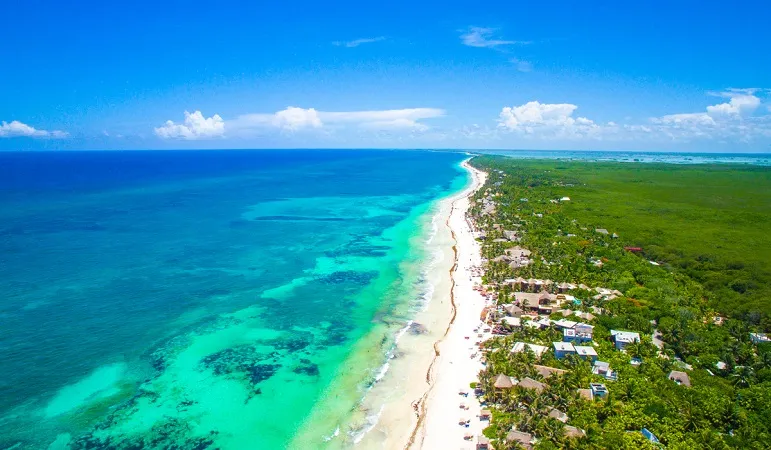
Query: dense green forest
(702,280)
(710,222)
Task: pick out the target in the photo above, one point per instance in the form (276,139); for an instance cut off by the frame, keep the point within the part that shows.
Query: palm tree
(743,375)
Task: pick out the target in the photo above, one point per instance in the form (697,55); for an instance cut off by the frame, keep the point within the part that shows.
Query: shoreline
(454,366)
(405,395)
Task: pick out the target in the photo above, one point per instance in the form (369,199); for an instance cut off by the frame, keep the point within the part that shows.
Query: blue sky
(658,76)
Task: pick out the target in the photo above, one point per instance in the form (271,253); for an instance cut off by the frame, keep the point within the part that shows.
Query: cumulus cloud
(484,37)
(195,126)
(734,120)
(358,42)
(731,120)
(546,119)
(19,129)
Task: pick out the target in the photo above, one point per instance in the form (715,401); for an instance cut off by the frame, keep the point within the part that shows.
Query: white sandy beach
(417,403)
(454,368)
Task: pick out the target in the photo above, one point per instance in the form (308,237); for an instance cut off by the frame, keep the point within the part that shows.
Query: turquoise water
(202,299)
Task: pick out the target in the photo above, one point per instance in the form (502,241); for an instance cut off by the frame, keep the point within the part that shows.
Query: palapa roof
(519,436)
(529,383)
(573,432)
(559,415)
(485,412)
(512,309)
(503,382)
(544,296)
(546,371)
(587,394)
(482,439)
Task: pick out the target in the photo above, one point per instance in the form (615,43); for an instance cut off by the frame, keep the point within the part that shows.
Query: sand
(417,403)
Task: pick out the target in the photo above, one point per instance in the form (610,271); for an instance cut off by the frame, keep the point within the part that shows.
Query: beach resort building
(578,334)
(624,338)
(563,349)
(564,324)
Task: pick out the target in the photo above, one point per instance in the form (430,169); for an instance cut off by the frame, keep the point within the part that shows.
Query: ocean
(755,159)
(206,299)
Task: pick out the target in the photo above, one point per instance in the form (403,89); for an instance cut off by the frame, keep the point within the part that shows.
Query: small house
(586,394)
(586,352)
(579,334)
(680,378)
(563,349)
(603,369)
(485,414)
(601,231)
(483,443)
(624,338)
(598,389)
(564,324)
(759,338)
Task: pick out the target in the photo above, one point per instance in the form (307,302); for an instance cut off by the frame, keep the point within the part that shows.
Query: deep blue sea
(198,299)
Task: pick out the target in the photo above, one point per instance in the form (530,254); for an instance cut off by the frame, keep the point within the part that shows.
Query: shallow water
(202,299)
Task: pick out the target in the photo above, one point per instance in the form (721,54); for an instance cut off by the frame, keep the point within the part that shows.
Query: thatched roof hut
(573,432)
(503,382)
(529,383)
(521,438)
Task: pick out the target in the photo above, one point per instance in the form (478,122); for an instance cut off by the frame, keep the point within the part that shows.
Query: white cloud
(19,129)
(358,42)
(740,104)
(293,119)
(547,120)
(296,119)
(731,121)
(483,37)
(522,66)
(196,126)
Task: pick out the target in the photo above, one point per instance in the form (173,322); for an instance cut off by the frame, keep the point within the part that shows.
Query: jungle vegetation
(708,231)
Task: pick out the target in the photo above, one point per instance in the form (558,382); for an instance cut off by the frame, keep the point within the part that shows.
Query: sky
(635,76)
